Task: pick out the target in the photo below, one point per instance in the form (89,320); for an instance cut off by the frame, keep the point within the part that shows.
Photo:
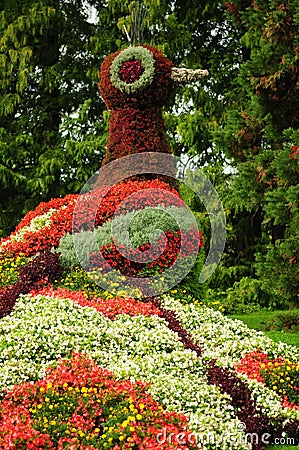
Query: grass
(258,321)
(282,447)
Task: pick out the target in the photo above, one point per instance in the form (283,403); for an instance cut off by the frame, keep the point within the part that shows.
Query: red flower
(109,308)
(131,71)
(79,403)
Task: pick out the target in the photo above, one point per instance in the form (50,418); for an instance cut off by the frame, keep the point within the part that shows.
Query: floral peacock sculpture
(135,84)
(90,363)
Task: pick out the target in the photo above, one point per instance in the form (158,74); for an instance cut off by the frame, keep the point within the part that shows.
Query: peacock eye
(132,70)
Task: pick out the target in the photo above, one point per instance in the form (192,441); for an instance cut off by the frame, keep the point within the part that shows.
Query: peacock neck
(135,130)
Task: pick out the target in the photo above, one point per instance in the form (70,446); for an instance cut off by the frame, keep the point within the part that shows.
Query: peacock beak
(181,75)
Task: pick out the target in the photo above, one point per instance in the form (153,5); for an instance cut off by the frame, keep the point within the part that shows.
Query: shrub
(85,241)
(245,296)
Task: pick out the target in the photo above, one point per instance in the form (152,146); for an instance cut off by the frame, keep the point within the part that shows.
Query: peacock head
(140,77)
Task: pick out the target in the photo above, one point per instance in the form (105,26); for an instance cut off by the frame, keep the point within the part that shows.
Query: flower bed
(79,405)
(166,343)
(280,375)
(43,228)
(42,329)
(151,373)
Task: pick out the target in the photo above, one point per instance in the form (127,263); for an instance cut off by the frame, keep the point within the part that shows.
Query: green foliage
(53,132)
(78,279)
(41,71)
(245,296)
(132,229)
(68,255)
(190,282)
(261,135)
(282,336)
(224,277)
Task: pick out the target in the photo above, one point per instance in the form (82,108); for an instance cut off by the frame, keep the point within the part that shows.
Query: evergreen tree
(261,134)
(50,53)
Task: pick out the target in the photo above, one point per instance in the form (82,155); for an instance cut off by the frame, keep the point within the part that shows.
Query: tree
(50,53)
(261,134)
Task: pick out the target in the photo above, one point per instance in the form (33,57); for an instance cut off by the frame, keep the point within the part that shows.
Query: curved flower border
(147,60)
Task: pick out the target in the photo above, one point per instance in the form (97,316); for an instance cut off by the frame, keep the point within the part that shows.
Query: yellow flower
(274,388)
(42,389)
(141,406)
(49,385)
(138,416)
